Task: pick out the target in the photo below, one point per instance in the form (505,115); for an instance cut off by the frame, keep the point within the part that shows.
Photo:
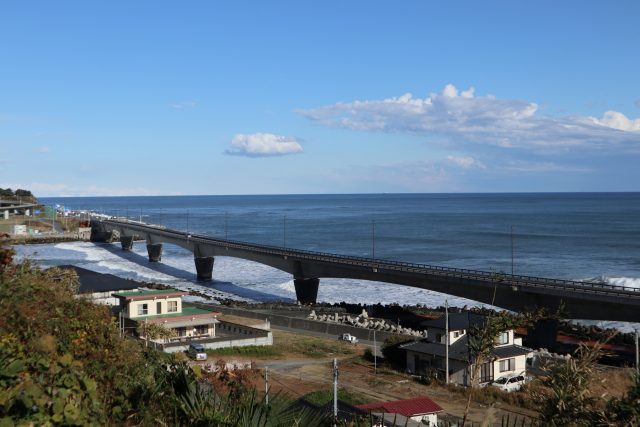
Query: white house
(427,356)
(164,307)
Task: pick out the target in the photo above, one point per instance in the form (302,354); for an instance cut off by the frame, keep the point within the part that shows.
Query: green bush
(257,351)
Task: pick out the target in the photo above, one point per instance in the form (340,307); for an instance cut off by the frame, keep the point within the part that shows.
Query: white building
(427,356)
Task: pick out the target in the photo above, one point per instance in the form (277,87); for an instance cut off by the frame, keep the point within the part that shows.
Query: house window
(507,365)
(143,309)
(486,372)
(503,338)
(438,337)
(172,306)
(456,334)
(181,332)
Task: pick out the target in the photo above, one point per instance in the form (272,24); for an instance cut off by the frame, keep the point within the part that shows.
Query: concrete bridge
(580,300)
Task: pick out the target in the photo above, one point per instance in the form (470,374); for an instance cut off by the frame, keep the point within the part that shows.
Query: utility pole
(140,214)
(284,232)
(335,392)
(512,250)
(446,341)
(127,212)
(187,220)
(226,227)
(637,355)
(373,239)
(375,355)
(266,385)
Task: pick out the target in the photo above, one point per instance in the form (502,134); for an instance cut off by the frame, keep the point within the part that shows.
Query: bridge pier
(154,250)
(101,236)
(126,242)
(543,334)
(204,267)
(306,290)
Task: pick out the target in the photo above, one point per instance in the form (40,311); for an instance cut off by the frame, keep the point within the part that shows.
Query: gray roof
(460,351)
(457,321)
(457,351)
(510,351)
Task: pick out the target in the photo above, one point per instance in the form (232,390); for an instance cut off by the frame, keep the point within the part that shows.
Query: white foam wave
(631,282)
(244,280)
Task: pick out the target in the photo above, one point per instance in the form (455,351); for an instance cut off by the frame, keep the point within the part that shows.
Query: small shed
(419,409)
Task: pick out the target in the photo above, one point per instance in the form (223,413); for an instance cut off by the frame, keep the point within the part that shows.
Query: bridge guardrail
(502,278)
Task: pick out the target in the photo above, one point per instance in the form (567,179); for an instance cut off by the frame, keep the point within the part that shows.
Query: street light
(226,227)
(512,250)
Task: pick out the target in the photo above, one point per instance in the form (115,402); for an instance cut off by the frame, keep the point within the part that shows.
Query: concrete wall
(242,336)
(308,325)
(224,343)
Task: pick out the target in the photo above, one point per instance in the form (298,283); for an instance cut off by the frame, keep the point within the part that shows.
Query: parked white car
(348,337)
(197,351)
(511,382)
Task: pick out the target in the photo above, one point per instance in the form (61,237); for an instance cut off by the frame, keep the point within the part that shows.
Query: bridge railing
(499,277)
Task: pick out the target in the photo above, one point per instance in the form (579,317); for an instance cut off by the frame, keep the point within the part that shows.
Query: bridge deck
(538,290)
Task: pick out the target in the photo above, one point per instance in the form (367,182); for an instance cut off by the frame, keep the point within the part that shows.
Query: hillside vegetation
(63,363)
(9,194)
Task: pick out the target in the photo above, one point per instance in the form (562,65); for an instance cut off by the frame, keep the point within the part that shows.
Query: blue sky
(150,97)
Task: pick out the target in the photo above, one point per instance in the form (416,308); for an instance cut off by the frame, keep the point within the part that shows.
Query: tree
(566,400)
(154,331)
(62,362)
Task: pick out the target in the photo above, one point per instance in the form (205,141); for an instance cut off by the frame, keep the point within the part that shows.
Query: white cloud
(524,166)
(184,104)
(43,149)
(619,121)
(464,117)
(466,162)
(263,145)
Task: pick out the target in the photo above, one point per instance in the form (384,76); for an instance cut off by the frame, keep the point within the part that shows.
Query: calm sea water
(570,235)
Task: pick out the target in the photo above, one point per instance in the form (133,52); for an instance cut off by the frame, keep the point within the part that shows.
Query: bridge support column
(204,267)
(306,290)
(101,236)
(155,251)
(126,242)
(543,334)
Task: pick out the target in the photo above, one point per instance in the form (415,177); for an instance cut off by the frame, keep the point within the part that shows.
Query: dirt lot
(299,364)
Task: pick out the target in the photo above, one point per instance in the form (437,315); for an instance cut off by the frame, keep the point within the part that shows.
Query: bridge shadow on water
(188,276)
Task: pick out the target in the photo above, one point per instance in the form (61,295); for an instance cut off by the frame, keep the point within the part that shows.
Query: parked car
(511,382)
(197,351)
(348,337)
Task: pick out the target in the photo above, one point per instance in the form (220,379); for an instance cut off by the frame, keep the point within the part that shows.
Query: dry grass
(308,346)
(610,381)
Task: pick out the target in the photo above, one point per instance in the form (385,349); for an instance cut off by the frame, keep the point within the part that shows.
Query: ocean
(580,236)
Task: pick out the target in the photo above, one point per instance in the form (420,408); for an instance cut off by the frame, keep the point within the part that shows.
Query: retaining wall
(329,328)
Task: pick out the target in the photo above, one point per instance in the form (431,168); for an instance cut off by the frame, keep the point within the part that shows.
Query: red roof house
(419,408)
